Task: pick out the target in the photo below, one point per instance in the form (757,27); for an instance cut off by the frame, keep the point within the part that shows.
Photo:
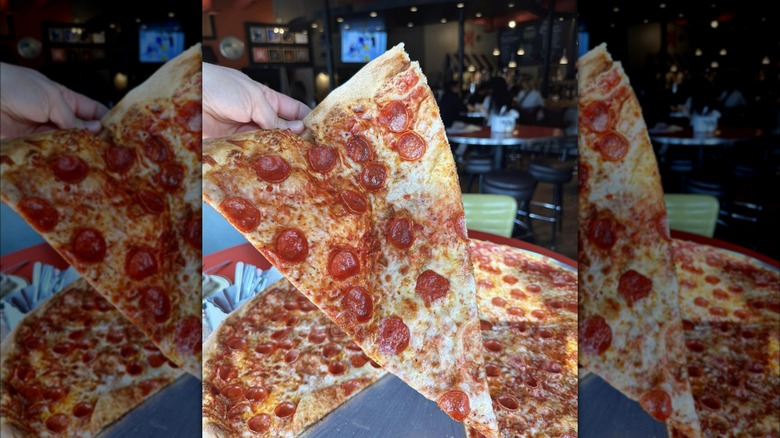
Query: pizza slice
(631,332)
(731,317)
(74,365)
(365,218)
(528,311)
(277,365)
(123,208)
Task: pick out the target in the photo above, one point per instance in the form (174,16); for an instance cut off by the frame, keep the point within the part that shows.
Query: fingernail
(295,126)
(93,125)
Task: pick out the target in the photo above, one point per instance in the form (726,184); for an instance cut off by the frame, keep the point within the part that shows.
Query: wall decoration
(207,27)
(276,44)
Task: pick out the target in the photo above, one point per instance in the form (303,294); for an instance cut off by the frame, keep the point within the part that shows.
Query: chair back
(693,213)
(490,213)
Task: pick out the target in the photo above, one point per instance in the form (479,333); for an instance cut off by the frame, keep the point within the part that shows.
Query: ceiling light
(339,20)
(373,14)
(611,24)
(698,52)
(680,15)
(645,21)
(460,5)
(714,24)
(478,14)
(512,24)
(171,14)
(313,26)
(512,64)
(765,61)
(137,20)
(521,51)
(560,18)
(511,5)
(564,60)
(723,52)
(673,69)
(496,52)
(443,20)
(472,68)
(616,9)
(714,64)
(413,9)
(112,25)
(410,24)
(662,5)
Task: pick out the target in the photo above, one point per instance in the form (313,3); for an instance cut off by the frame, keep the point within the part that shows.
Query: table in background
(722,137)
(522,135)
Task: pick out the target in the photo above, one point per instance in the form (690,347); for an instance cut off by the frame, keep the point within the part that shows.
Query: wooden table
(522,135)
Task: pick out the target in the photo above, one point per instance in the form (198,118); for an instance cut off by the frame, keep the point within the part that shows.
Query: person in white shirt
(529,101)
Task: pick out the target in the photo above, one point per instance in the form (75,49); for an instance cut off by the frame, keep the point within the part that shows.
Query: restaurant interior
(307,48)
(706,76)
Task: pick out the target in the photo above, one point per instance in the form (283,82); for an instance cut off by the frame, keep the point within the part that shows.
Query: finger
(84,107)
(61,113)
(290,108)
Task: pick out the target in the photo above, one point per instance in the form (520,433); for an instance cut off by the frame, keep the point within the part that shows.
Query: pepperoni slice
(156,149)
(410,146)
(272,168)
(292,355)
(343,264)
(358,360)
(69,168)
(188,335)
(156,360)
(710,402)
(393,336)
(171,176)
(431,286)
(39,213)
(83,409)
(316,336)
(259,423)
(508,402)
(492,370)
(284,409)
(634,286)
(657,403)
(257,393)
(394,116)
(321,158)
(58,423)
(595,335)
(596,116)
(88,245)
(266,347)
(373,176)
(602,232)
(291,245)
(358,302)
(154,302)
(354,201)
(455,403)
(151,202)
(400,233)
(119,159)
(192,232)
(234,393)
(493,345)
(140,263)
(54,393)
(337,367)
(358,150)
(612,146)
(241,213)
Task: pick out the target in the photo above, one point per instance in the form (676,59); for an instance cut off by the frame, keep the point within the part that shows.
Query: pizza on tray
(277,365)
(528,311)
(123,207)
(731,317)
(631,332)
(74,365)
(364,217)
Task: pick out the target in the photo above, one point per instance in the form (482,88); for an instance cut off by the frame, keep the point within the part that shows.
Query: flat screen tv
(158,43)
(362,46)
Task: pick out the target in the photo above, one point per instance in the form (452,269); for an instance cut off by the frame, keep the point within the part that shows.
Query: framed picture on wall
(58,54)
(260,55)
(289,55)
(301,37)
(257,34)
(273,37)
(302,55)
(287,38)
(274,55)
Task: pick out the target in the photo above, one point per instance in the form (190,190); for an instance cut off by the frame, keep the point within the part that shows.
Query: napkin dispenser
(503,123)
(704,124)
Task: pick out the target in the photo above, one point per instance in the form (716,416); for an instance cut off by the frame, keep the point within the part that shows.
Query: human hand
(30,102)
(233,102)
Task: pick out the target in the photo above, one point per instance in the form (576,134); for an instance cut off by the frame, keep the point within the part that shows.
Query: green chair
(692,213)
(489,213)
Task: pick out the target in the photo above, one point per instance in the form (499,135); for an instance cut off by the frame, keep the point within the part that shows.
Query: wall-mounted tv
(160,42)
(362,45)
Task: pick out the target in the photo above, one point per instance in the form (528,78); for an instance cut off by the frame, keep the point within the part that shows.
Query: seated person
(529,101)
(451,107)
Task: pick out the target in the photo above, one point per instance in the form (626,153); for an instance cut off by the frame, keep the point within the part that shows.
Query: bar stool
(557,173)
(476,165)
(519,184)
